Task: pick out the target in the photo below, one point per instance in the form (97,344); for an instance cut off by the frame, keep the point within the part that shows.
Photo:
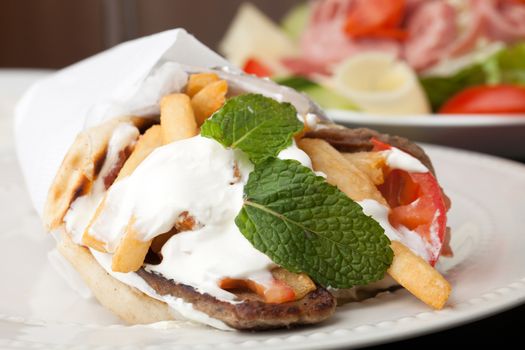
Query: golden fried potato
(339,172)
(198,81)
(209,100)
(131,251)
(151,139)
(177,120)
(370,163)
(418,277)
(299,282)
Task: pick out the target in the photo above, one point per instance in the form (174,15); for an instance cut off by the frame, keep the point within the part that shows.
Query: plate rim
(425,120)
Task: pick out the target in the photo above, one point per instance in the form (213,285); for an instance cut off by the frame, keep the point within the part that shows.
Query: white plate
(39,310)
(499,135)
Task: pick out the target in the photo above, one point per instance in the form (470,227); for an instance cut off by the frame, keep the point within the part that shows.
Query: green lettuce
(506,66)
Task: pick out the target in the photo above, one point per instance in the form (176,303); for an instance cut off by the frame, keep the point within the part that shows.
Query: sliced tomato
(278,292)
(379,18)
(416,202)
(487,99)
(255,67)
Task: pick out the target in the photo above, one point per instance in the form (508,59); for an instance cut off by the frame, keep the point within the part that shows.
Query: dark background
(56,33)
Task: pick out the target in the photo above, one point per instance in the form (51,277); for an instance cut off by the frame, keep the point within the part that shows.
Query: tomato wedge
(376,18)
(278,292)
(255,67)
(417,203)
(487,99)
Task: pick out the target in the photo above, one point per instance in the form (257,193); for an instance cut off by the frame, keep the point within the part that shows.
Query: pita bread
(80,168)
(131,305)
(74,178)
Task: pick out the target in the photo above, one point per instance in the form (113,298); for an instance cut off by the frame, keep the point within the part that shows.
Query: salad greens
(505,66)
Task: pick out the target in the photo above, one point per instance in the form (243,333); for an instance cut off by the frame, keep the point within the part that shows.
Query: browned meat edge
(358,140)
(251,314)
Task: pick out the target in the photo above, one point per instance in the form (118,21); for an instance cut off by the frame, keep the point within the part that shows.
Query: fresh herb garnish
(295,217)
(257,125)
(307,225)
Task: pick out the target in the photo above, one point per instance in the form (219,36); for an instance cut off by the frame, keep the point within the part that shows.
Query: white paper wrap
(128,79)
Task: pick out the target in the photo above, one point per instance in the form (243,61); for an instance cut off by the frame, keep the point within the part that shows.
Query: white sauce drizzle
(397,159)
(194,175)
(294,152)
(409,238)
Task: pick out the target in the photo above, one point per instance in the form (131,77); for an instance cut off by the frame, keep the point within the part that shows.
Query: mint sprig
(306,225)
(255,124)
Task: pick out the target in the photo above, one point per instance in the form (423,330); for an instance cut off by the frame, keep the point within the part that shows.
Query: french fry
(151,139)
(208,100)
(299,282)
(341,173)
(88,239)
(418,277)
(408,269)
(370,163)
(177,120)
(198,81)
(131,251)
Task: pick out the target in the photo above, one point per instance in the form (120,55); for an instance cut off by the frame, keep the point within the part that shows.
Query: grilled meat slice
(252,313)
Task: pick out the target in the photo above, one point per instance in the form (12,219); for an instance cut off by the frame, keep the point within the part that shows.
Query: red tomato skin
(376,18)
(487,99)
(255,67)
(416,202)
(420,207)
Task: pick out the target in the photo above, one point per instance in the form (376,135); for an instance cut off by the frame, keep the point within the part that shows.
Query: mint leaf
(255,124)
(306,225)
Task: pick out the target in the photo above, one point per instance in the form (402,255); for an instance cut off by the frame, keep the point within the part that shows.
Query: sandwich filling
(200,177)
(221,201)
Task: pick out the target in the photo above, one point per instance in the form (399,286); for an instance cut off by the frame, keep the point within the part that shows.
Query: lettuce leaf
(506,66)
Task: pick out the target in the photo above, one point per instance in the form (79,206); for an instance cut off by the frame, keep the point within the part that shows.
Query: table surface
(505,327)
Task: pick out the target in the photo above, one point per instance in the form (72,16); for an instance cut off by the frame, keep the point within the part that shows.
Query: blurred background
(363,61)
(56,33)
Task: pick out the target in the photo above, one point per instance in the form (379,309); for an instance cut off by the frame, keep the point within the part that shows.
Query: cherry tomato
(485,99)
(416,202)
(379,18)
(255,67)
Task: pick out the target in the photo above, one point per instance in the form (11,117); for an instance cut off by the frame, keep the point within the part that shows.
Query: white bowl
(493,134)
